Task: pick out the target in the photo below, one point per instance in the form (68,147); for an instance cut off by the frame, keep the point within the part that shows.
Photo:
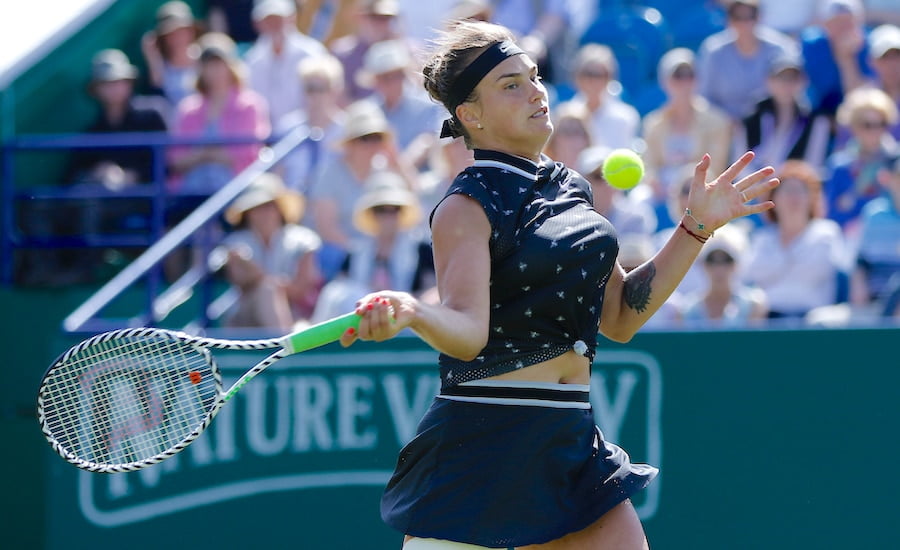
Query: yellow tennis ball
(623,168)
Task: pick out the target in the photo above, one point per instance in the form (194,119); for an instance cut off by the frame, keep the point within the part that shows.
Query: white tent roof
(32,28)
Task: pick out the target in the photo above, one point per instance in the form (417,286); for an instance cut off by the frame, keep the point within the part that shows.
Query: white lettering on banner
(638,363)
(406,416)
(293,412)
(354,405)
(312,400)
(258,400)
(610,411)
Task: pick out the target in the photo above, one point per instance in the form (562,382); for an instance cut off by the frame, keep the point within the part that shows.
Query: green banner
(764,440)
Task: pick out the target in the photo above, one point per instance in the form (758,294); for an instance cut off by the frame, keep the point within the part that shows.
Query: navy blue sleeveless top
(551,256)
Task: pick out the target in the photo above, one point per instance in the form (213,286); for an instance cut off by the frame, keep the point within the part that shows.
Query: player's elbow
(468,349)
(472,350)
(619,334)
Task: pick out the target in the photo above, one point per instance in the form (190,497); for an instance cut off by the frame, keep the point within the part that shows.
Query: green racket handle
(320,334)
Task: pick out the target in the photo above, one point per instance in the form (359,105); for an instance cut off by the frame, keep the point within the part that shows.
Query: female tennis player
(508,455)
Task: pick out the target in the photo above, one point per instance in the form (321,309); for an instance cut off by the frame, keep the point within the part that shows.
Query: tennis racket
(127,399)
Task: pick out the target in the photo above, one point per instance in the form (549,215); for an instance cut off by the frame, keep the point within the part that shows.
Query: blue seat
(637,34)
(692,27)
(842,286)
(646,97)
(671,10)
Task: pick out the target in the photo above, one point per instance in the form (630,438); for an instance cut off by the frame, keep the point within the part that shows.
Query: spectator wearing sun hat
(782,126)
(112,86)
(681,131)
(725,301)
(415,119)
(269,258)
(388,256)
(366,145)
(273,59)
(375,21)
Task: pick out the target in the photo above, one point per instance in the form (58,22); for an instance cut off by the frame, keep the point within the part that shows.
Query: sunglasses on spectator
(788,75)
(871,124)
(743,15)
(371,138)
(683,73)
(718,257)
(380,17)
(792,187)
(391,75)
(588,73)
(317,88)
(383,209)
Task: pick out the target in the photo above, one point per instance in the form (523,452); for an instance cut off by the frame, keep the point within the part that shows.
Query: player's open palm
(714,203)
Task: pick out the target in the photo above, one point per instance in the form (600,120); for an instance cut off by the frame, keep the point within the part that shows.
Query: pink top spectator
(244,114)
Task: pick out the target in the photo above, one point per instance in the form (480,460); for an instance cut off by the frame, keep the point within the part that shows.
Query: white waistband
(520,393)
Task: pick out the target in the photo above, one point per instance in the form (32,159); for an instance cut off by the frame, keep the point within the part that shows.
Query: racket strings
(127,399)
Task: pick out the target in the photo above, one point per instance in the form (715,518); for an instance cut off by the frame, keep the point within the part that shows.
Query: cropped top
(551,256)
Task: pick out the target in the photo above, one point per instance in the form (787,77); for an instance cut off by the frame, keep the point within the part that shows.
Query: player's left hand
(723,199)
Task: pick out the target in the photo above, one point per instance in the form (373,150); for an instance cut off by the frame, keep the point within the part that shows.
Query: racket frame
(296,342)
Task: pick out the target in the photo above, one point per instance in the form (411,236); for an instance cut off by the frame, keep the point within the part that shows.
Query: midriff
(568,368)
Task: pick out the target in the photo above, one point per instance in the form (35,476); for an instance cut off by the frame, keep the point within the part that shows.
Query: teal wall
(765,439)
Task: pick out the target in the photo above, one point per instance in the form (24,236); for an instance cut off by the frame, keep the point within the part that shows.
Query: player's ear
(468,114)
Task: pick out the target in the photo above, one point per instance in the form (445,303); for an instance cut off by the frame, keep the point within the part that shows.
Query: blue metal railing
(159,241)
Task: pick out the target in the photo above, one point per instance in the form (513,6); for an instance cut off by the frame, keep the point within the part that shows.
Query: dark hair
(453,51)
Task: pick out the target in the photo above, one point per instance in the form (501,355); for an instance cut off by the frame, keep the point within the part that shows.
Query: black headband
(471,76)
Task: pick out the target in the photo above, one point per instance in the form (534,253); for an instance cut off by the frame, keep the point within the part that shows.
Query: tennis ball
(623,168)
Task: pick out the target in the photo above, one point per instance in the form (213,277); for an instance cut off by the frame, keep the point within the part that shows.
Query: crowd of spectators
(812,87)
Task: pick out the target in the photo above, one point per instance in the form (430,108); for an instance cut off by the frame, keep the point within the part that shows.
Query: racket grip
(320,334)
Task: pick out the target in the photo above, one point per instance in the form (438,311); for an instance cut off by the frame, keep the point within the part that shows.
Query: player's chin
(539,127)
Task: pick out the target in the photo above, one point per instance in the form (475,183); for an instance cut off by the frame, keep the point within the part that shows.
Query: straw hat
(385,188)
(268,187)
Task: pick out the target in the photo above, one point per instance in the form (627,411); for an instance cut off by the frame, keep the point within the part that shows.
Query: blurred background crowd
(812,86)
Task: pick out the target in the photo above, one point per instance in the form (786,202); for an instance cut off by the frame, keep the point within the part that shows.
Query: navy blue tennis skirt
(501,463)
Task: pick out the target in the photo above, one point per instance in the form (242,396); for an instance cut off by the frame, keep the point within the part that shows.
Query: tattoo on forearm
(638,286)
